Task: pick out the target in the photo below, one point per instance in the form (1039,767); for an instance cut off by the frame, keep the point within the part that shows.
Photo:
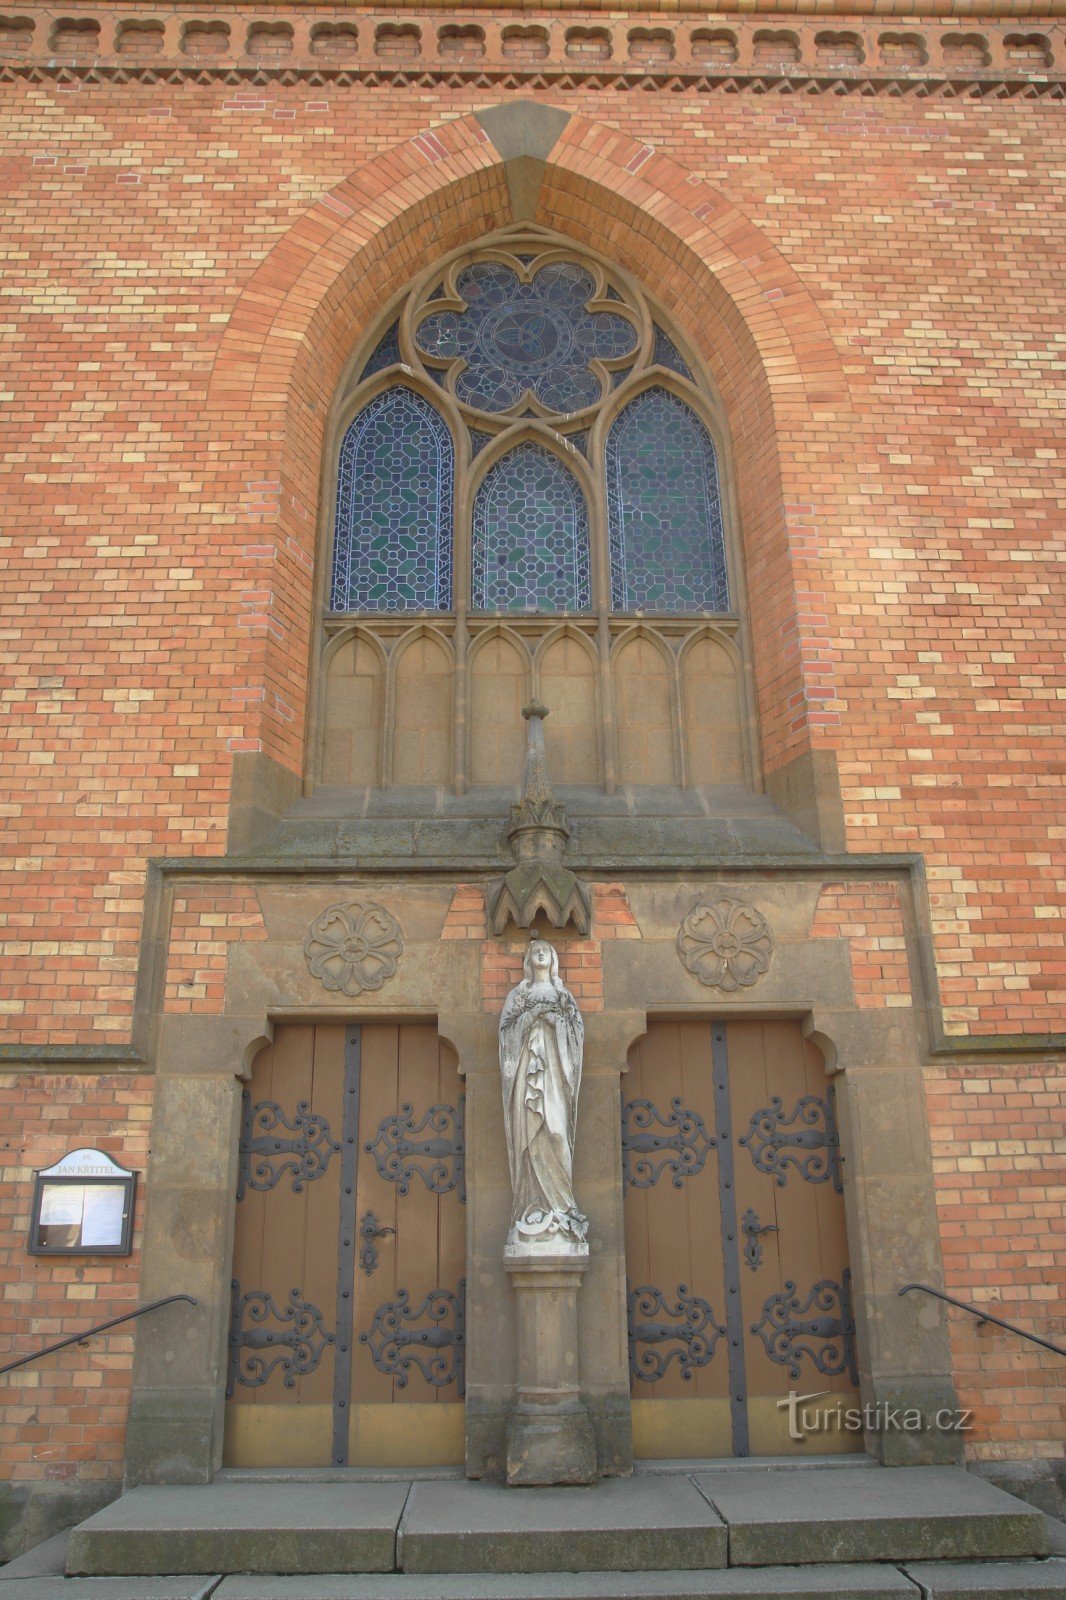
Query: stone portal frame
(176,1420)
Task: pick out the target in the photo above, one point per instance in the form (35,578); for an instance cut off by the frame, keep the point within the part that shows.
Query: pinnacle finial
(538,787)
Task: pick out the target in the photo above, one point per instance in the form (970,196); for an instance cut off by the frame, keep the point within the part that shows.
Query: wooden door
(736,1251)
(347,1324)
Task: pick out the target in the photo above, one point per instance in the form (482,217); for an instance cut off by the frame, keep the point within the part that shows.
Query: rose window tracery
(518,337)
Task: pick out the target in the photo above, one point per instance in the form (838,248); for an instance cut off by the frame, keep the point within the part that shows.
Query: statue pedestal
(550,1438)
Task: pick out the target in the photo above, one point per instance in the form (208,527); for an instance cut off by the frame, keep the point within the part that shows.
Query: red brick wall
(65,1417)
(870,917)
(1000,1183)
(883,349)
(186,269)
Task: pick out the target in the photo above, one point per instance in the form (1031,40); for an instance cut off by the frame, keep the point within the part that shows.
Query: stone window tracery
(540,349)
(529,503)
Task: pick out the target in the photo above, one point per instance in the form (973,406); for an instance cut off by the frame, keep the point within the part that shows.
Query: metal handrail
(100,1327)
(985,1316)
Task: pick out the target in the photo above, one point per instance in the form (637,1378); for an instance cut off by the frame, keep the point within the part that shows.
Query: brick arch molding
(757,325)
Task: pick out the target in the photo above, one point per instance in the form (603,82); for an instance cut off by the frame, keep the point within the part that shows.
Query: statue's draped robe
(541,1041)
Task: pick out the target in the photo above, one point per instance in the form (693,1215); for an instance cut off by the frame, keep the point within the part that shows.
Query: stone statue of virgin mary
(541,1043)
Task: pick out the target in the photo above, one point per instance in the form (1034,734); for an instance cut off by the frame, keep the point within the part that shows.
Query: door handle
(369,1232)
(753,1227)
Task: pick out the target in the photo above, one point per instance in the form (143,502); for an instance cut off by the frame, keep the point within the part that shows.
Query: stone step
(894,1514)
(768,1583)
(990,1580)
(53,1588)
(243,1527)
(621,1524)
(941,1580)
(700,1521)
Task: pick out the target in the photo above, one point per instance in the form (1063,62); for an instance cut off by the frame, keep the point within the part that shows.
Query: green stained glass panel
(393,538)
(531,536)
(664,510)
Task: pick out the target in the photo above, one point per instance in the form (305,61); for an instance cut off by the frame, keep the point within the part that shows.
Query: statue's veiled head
(541,962)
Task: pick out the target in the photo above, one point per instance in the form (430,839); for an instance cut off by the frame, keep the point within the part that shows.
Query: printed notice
(101,1222)
(62,1204)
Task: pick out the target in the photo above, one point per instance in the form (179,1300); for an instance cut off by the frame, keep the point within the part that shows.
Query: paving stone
(619,1524)
(52,1588)
(893,1514)
(990,1580)
(874,1582)
(243,1527)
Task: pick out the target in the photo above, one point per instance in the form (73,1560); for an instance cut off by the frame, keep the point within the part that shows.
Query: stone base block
(559,1447)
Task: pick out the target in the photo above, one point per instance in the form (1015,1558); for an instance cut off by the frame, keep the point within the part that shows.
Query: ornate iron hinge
(827,1338)
(680,1149)
(806,1140)
(692,1330)
(266,1156)
(397,1344)
(752,1228)
(294,1346)
(437,1158)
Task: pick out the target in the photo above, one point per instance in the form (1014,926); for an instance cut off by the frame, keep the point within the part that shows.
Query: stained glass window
(531,536)
(515,337)
(386,352)
(393,542)
(664,510)
(666,354)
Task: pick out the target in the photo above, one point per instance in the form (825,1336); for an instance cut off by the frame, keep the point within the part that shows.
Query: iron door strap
(289,1338)
(431,1148)
(274,1145)
(346,1243)
(688,1325)
(653,1144)
(429,1338)
(819,1328)
(804,1141)
(734,1316)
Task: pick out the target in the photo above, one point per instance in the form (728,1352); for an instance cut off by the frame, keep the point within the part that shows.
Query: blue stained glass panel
(386,353)
(393,542)
(664,510)
(666,354)
(531,536)
(517,336)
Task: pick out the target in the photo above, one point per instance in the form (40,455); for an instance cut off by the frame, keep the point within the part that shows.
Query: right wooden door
(738,1286)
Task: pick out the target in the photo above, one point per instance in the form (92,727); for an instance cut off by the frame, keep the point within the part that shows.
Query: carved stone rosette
(352,948)
(726,944)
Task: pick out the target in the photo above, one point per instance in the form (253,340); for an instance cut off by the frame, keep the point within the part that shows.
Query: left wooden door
(347,1325)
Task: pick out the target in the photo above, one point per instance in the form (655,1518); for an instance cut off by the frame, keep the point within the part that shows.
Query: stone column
(174,1434)
(550,1438)
(893,1236)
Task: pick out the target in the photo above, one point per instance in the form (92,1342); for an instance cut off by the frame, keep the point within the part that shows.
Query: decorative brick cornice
(319,47)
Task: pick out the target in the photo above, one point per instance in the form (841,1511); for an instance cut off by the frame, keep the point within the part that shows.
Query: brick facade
(856,240)
(65,1418)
